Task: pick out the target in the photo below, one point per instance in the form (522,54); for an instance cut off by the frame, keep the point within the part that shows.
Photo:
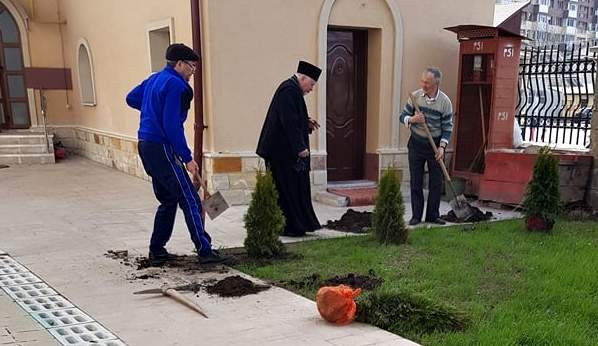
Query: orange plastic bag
(337,304)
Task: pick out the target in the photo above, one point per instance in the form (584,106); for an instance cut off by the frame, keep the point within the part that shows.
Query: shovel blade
(215,205)
(461,207)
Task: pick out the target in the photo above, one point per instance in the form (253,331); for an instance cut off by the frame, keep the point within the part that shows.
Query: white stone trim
(249,154)
(397,68)
(83,42)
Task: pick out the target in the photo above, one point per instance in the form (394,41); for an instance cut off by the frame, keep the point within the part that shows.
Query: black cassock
(286,133)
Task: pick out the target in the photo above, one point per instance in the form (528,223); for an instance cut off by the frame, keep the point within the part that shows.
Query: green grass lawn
(518,288)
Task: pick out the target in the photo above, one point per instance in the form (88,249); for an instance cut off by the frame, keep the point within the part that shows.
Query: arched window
(85,72)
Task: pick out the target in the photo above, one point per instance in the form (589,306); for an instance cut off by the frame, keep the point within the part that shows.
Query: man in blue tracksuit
(164,99)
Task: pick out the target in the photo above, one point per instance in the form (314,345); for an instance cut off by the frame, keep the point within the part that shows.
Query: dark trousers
(294,196)
(419,155)
(172,187)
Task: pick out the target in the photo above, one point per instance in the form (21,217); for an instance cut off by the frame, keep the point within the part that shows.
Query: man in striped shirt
(437,111)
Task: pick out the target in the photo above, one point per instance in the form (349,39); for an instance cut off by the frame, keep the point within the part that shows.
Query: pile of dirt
(580,211)
(478,216)
(352,222)
(310,281)
(184,263)
(235,286)
(144,270)
(365,282)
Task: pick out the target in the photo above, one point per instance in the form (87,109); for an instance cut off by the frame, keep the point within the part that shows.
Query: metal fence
(556,94)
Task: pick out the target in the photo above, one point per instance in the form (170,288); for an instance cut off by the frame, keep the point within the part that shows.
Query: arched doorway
(14,105)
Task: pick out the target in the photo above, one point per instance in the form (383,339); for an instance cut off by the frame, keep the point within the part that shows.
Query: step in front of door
(26,159)
(24,149)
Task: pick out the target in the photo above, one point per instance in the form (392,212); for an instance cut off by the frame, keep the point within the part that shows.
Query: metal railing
(556,94)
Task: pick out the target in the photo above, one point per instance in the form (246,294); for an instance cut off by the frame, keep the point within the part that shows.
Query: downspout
(198,126)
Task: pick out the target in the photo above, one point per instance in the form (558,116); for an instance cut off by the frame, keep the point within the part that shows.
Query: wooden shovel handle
(431,140)
(171,292)
(202,185)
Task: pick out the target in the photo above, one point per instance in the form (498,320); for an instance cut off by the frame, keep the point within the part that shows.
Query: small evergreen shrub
(541,204)
(264,220)
(388,224)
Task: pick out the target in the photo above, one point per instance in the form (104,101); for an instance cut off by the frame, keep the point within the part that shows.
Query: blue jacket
(164,99)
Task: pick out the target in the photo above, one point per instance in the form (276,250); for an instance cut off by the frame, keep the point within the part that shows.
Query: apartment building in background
(558,21)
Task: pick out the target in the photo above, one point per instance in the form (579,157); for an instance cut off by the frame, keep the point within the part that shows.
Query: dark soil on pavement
(184,263)
(352,222)
(235,286)
(478,216)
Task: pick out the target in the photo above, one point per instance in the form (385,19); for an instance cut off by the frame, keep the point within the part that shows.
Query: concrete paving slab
(59,220)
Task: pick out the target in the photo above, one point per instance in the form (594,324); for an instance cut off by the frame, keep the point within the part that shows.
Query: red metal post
(198,125)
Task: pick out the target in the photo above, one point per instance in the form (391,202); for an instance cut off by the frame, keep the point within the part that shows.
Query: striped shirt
(438,112)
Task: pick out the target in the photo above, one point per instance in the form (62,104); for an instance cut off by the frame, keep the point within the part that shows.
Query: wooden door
(346,104)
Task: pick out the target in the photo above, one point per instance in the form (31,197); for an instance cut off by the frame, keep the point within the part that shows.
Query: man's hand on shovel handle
(418,118)
(440,153)
(192,168)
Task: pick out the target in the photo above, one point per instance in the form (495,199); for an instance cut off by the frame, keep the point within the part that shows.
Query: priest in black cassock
(284,145)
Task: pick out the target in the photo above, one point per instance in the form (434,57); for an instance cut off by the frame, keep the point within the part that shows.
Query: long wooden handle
(184,300)
(203,185)
(431,140)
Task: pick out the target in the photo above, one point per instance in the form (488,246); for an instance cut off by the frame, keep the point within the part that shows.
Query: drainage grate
(61,318)
(10,266)
(68,324)
(18,279)
(34,290)
(44,304)
(88,333)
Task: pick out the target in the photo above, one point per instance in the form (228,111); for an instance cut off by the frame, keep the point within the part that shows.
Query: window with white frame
(543,19)
(85,73)
(572,7)
(160,35)
(570,22)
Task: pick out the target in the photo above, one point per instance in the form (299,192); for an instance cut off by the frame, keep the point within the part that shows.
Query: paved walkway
(59,220)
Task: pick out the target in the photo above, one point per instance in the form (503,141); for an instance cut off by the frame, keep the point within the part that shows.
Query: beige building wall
(244,66)
(117,37)
(249,48)
(119,51)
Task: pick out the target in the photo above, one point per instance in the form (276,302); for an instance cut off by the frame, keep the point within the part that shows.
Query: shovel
(459,203)
(214,204)
(174,294)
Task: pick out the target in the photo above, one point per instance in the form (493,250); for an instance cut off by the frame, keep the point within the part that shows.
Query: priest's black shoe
(438,221)
(414,222)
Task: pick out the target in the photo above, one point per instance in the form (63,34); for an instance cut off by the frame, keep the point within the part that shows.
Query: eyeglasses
(193,66)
